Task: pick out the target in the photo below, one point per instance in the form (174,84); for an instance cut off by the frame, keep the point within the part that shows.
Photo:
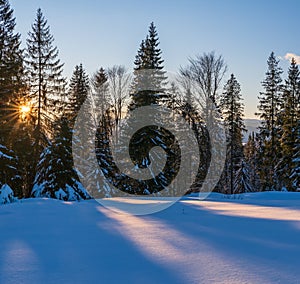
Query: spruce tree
(11,92)
(11,70)
(97,185)
(101,96)
(47,84)
(251,161)
(242,181)
(79,111)
(78,97)
(295,172)
(149,77)
(100,87)
(232,110)
(270,102)
(288,131)
(78,91)
(148,88)
(56,177)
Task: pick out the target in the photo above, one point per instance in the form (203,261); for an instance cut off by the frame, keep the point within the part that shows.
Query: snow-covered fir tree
(56,177)
(80,100)
(148,88)
(295,172)
(251,160)
(234,177)
(242,182)
(97,184)
(289,119)
(270,102)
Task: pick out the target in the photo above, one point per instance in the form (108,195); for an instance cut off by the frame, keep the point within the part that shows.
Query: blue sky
(103,33)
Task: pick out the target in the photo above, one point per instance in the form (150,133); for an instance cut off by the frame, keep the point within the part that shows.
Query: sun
(25,109)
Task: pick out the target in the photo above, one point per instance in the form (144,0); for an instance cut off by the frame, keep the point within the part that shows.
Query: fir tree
(78,91)
(100,94)
(149,77)
(99,80)
(56,177)
(78,97)
(251,161)
(232,109)
(79,110)
(149,88)
(288,131)
(269,108)
(100,91)
(46,80)
(11,69)
(97,184)
(242,181)
(295,172)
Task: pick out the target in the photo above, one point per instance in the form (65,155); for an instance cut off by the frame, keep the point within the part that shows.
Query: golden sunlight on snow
(249,210)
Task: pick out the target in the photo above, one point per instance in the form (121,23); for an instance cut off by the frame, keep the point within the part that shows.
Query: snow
(60,194)
(2,155)
(6,194)
(71,193)
(248,238)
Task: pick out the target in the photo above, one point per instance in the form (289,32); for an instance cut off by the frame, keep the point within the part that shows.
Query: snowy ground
(254,239)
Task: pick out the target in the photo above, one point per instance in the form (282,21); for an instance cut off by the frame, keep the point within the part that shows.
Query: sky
(104,33)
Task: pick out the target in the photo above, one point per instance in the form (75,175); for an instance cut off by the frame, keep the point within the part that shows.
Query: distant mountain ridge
(252,126)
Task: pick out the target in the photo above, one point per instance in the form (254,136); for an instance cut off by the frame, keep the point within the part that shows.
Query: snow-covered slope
(251,239)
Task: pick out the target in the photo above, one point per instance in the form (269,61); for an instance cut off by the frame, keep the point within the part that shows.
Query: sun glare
(24,109)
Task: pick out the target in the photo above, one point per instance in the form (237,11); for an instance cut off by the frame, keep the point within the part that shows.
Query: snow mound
(6,194)
(76,192)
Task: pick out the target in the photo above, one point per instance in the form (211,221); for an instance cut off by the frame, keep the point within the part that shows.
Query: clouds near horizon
(289,56)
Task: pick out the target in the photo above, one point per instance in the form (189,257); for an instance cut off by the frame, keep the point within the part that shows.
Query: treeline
(39,110)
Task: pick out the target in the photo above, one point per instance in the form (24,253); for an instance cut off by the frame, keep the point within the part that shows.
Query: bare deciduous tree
(119,84)
(206,73)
